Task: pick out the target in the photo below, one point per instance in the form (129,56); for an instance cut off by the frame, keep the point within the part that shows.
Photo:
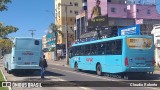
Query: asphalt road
(61,73)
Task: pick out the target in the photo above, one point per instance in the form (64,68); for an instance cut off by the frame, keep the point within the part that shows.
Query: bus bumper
(139,69)
(25,67)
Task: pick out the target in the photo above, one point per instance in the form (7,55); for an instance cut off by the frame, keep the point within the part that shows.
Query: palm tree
(54,29)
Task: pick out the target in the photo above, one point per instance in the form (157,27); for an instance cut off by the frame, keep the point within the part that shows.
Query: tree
(54,29)
(5,43)
(5,30)
(3,4)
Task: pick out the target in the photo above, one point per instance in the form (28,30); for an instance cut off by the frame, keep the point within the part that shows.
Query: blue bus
(24,55)
(131,53)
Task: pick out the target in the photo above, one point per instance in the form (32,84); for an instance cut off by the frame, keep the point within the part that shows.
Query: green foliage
(2,79)
(54,29)
(5,30)
(3,4)
(6,43)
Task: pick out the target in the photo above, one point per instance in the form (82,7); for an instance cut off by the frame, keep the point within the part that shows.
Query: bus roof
(112,38)
(25,38)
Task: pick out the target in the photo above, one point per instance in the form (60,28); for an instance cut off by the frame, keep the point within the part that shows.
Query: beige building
(60,14)
(44,42)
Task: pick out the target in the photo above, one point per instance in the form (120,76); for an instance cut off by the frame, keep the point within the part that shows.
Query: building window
(113,9)
(70,11)
(70,3)
(137,10)
(148,11)
(71,28)
(76,12)
(76,4)
(109,0)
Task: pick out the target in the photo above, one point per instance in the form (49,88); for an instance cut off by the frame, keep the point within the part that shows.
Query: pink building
(142,12)
(116,10)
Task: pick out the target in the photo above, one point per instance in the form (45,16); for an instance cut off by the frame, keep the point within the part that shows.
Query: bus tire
(8,71)
(76,66)
(99,70)
(5,68)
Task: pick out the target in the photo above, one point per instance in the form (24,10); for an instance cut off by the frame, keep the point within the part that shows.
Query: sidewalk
(61,62)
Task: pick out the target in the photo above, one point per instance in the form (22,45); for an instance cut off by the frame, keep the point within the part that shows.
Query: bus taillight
(126,61)
(153,61)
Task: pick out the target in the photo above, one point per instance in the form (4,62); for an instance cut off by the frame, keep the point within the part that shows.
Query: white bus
(24,55)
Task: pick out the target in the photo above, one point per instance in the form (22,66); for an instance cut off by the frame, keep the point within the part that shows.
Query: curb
(5,79)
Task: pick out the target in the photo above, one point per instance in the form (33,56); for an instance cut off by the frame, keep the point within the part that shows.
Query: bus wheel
(76,66)
(5,68)
(8,71)
(99,69)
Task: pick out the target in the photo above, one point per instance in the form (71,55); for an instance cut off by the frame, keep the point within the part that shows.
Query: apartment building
(60,18)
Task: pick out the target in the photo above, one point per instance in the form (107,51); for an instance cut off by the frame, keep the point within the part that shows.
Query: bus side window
(87,49)
(108,48)
(93,49)
(113,47)
(75,51)
(119,47)
(101,48)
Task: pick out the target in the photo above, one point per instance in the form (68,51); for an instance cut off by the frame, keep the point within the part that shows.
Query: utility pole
(66,6)
(32,32)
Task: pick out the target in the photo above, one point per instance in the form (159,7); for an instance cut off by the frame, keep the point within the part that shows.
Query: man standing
(43,65)
(96,11)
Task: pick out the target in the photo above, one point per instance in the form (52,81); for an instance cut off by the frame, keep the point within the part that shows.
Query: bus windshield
(139,43)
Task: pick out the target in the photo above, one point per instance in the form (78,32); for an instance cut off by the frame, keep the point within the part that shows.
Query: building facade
(44,42)
(114,12)
(156,34)
(60,18)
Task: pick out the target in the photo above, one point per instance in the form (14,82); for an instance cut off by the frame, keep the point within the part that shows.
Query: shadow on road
(36,73)
(129,76)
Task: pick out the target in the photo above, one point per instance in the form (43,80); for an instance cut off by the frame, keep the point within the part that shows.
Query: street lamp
(66,6)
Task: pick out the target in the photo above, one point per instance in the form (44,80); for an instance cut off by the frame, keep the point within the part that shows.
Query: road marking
(153,88)
(5,78)
(85,88)
(99,78)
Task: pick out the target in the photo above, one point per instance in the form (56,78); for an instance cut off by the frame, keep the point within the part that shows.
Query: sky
(32,15)
(29,15)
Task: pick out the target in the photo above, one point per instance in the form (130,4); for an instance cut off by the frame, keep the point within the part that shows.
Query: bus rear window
(139,43)
(36,42)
